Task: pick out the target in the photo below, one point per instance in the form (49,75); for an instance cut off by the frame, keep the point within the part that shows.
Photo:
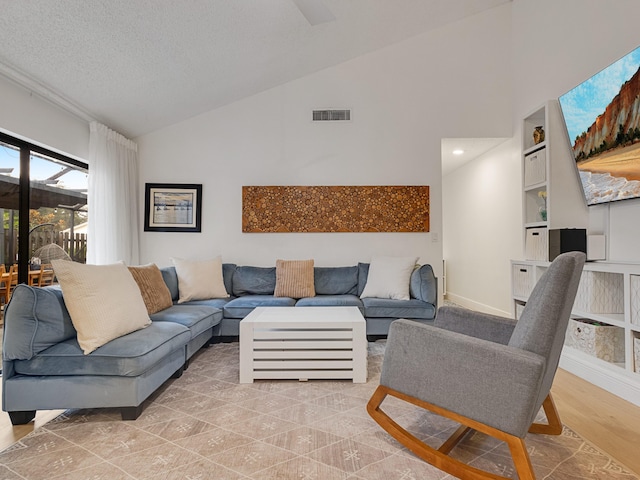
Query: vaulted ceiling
(140,65)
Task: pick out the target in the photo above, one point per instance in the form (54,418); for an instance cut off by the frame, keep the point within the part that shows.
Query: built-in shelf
(552,199)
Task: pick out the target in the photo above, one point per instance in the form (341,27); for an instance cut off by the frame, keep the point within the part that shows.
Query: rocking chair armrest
(475,324)
(491,383)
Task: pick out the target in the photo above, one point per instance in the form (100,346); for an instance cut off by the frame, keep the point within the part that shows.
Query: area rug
(205,425)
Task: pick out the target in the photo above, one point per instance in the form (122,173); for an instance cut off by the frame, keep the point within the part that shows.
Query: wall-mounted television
(602,117)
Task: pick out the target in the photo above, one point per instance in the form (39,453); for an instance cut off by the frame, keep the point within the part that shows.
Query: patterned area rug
(205,425)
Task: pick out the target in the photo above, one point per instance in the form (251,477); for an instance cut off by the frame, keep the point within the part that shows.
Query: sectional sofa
(251,287)
(45,368)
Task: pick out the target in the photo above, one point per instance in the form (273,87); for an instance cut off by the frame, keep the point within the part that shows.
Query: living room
(476,77)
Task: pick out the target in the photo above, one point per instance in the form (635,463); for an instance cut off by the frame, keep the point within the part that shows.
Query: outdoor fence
(75,247)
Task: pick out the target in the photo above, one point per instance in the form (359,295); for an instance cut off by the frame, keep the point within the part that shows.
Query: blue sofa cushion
(336,280)
(331,301)
(254,281)
(241,307)
(197,318)
(389,308)
(170,277)
(130,355)
(363,274)
(35,319)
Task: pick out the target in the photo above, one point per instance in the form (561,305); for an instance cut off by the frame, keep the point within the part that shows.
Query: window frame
(26,149)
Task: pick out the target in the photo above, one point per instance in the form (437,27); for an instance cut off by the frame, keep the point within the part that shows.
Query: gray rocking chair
(488,373)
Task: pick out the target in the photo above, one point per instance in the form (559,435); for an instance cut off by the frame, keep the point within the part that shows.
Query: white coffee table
(303,343)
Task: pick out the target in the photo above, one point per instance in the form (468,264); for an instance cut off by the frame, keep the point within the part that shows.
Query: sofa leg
(373,338)
(131,413)
(178,373)
(22,418)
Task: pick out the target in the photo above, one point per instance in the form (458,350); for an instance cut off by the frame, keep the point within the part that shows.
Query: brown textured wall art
(301,209)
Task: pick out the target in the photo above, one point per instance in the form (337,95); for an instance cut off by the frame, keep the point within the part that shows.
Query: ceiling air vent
(331,115)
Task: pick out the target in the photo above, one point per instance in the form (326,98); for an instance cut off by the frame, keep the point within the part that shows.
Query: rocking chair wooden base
(440,458)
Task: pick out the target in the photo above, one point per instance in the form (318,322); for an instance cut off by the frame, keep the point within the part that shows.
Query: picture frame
(173,207)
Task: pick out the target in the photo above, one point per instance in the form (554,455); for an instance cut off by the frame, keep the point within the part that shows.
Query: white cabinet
(604,334)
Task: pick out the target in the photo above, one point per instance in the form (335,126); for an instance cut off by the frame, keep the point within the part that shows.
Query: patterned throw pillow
(294,279)
(155,293)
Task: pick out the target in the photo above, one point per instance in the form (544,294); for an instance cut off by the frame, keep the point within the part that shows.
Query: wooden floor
(606,421)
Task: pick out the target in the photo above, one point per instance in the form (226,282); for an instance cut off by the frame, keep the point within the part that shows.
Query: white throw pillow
(199,279)
(389,277)
(104,301)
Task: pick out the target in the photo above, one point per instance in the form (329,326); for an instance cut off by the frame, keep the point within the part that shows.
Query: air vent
(331,115)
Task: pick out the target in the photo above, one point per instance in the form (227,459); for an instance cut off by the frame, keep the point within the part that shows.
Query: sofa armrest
(424,285)
(495,384)
(475,324)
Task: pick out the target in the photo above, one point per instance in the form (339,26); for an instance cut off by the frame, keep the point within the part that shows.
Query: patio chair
(47,275)
(8,281)
(488,373)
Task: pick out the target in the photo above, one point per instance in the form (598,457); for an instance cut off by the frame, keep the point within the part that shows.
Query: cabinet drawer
(536,244)
(600,292)
(522,280)
(601,341)
(535,168)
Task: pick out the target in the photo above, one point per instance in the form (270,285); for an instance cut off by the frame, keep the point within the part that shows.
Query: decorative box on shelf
(535,168)
(600,292)
(635,299)
(601,341)
(522,280)
(636,353)
(536,244)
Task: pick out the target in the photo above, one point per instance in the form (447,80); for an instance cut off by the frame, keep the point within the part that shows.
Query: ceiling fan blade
(315,11)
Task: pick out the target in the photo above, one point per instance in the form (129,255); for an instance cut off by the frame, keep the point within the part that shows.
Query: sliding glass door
(43,203)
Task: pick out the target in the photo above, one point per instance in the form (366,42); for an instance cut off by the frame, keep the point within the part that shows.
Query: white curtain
(112,198)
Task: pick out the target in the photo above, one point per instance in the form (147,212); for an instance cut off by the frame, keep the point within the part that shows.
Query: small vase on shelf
(543,214)
(542,209)
(538,134)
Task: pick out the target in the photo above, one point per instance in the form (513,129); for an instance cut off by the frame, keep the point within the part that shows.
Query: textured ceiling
(140,65)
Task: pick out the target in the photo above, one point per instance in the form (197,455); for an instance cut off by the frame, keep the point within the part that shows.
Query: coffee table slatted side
(303,343)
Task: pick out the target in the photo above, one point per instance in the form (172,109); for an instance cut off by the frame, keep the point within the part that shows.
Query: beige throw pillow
(154,291)
(294,279)
(389,277)
(199,279)
(104,301)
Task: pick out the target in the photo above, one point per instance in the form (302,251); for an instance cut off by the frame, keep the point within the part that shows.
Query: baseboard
(604,376)
(473,305)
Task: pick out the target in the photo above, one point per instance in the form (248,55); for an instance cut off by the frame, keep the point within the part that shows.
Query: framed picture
(172,207)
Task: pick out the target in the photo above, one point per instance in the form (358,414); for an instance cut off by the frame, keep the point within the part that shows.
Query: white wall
(482,231)
(556,46)
(404,99)
(28,116)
